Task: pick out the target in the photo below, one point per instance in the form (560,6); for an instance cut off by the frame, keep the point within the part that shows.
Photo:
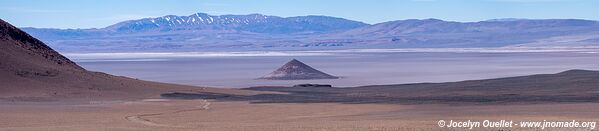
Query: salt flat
(357,67)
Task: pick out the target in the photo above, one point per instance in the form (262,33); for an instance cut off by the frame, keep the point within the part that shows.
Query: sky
(102,13)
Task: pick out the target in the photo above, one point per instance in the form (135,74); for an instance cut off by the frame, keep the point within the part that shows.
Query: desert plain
(163,114)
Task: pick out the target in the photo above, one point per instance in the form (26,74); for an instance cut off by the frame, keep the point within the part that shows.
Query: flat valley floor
(161,114)
(356,68)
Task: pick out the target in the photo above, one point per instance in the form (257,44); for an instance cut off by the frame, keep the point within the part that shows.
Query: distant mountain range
(203,32)
(251,23)
(434,33)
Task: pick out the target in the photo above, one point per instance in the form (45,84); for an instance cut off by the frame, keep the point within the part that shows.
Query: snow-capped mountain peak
(252,23)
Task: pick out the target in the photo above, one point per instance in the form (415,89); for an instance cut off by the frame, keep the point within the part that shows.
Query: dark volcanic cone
(296,70)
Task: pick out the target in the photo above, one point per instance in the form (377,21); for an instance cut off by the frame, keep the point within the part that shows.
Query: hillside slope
(32,71)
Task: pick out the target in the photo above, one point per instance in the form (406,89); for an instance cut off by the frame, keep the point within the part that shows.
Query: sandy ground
(159,114)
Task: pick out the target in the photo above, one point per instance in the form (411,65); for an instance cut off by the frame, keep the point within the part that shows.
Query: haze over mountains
(203,32)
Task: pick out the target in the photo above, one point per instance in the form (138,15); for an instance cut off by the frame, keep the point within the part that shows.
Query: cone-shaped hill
(32,71)
(296,70)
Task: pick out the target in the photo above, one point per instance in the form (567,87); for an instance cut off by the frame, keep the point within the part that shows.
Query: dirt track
(141,120)
(190,115)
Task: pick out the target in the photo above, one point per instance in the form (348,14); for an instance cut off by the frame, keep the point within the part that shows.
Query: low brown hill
(32,71)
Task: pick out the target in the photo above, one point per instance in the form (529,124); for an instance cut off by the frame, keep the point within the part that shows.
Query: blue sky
(101,13)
